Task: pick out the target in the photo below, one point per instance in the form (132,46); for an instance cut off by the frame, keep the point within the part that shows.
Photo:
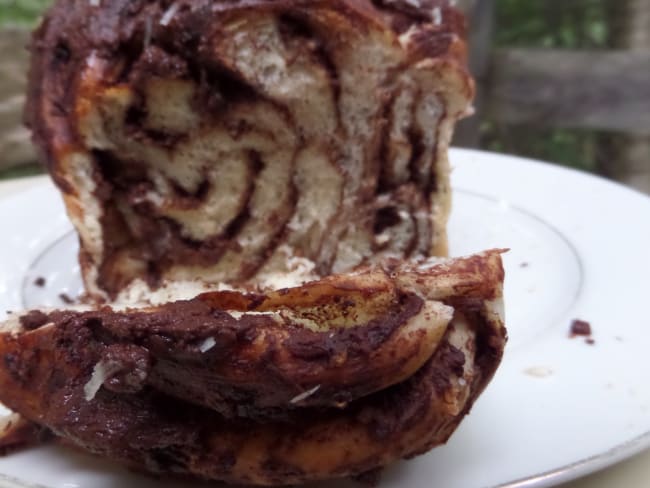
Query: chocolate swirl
(335,378)
(219,140)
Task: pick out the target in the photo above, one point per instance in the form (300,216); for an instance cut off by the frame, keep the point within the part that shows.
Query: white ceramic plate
(558,408)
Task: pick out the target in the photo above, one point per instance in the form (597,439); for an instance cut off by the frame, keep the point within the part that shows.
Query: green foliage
(570,24)
(551,23)
(24,12)
(21,171)
(573,148)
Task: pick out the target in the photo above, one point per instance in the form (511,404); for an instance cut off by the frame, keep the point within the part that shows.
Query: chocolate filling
(187,349)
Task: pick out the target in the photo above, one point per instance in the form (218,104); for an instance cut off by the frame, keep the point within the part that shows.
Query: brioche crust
(334,378)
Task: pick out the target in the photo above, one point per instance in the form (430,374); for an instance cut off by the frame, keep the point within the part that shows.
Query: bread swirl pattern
(210,140)
(289,156)
(293,386)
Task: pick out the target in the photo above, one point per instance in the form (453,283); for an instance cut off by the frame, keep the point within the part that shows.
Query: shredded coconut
(237,314)
(382,238)
(236,25)
(148,27)
(304,395)
(405,39)
(169,14)
(94,3)
(101,372)
(437,16)
(207,344)
(93,60)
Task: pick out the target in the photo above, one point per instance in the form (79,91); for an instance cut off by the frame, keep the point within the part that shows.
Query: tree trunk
(626,158)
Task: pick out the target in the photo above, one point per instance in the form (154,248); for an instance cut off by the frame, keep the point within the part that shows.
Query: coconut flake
(304,395)
(382,238)
(405,39)
(93,60)
(101,372)
(207,344)
(238,314)
(94,3)
(148,28)
(236,25)
(169,14)
(437,16)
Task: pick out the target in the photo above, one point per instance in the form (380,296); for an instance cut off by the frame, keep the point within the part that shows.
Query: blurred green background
(549,24)
(573,24)
(587,25)
(21,11)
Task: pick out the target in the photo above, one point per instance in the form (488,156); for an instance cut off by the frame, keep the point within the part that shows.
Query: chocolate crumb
(40,282)
(590,341)
(580,328)
(524,265)
(33,320)
(65,298)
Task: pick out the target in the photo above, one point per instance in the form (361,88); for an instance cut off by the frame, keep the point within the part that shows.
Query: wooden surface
(605,95)
(626,157)
(608,90)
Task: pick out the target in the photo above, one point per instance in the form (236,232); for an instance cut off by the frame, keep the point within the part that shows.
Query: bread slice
(331,379)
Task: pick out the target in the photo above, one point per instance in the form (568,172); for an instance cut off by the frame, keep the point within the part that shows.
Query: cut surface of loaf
(229,141)
(334,378)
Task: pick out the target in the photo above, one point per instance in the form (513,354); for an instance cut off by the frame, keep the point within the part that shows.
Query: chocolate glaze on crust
(160,434)
(252,366)
(86,377)
(87,57)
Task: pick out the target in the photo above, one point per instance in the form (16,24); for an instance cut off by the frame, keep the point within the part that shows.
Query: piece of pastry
(289,156)
(334,378)
(224,141)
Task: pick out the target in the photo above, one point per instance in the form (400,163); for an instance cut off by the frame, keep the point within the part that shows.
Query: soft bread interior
(327,148)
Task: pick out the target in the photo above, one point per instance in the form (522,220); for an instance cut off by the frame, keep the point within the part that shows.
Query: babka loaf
(291,157)
(334,378)
(226,141)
